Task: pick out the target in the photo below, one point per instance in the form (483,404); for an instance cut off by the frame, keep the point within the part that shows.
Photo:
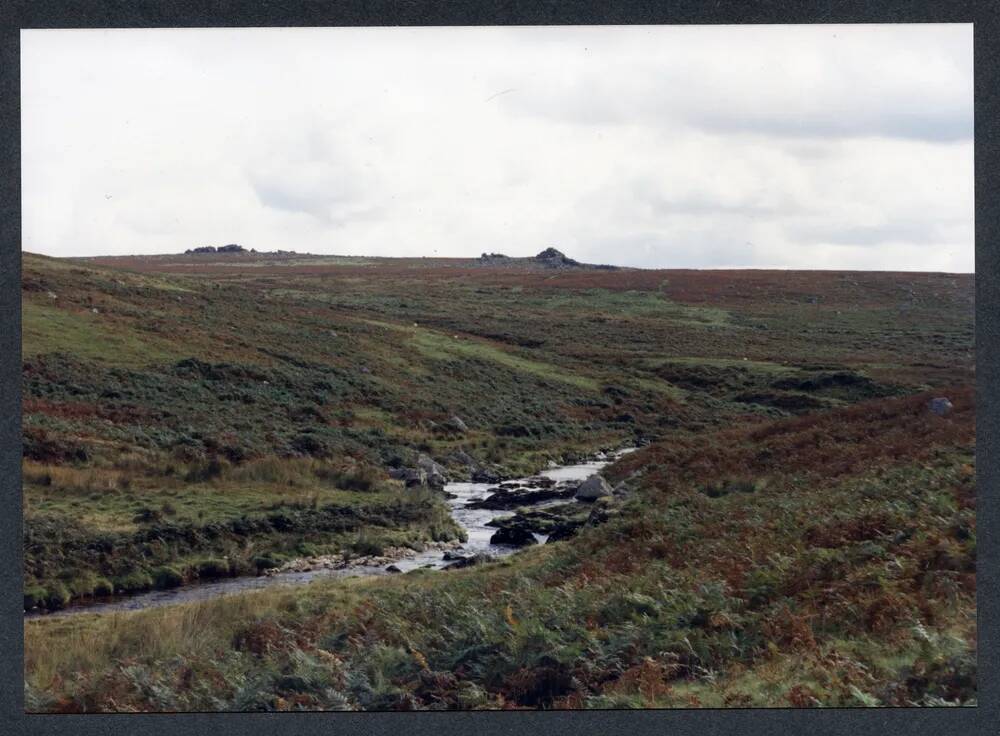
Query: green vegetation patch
(47,329)
(440,347)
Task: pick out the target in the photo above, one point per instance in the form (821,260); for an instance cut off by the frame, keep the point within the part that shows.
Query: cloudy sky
(843,147)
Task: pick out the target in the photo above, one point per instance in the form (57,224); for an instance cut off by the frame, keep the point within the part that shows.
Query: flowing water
(474,521)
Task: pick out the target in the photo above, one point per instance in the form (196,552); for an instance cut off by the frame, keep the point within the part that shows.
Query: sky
(817,147)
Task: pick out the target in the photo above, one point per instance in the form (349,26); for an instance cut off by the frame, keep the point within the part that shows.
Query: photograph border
(16,15)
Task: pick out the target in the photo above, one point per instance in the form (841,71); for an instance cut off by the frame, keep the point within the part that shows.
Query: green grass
(48,329)
(442,347)
(750,365)
(629,303)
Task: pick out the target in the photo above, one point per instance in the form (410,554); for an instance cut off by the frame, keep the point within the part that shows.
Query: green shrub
(213,568)
(34,596)
(103,586)
(267,562)
(363,478)
(136,581)
(205,471)
(629,605)
(367,545)
(147,516)
(306,549)
(166,577)
(724,488)
(57,596)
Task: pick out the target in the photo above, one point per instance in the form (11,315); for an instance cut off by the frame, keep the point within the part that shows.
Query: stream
(474,521)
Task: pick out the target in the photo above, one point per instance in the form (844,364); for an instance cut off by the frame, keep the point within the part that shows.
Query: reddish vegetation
(85,410)
(874,432)
(724,287)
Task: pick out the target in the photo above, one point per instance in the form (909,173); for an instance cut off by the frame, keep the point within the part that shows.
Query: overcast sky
(842,147)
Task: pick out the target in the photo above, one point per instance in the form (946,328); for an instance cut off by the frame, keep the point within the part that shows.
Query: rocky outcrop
(553,258)
(387,557)
(231,248)
(427,473)
(511,498)
(435,475)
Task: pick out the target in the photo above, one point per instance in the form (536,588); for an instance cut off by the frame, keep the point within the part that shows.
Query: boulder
(603,509)
(939,406)
(414,477)
(427,473)
(476,559)
(485,475)
(593,488)
(563,531)
(513,537)
(461,457)
(393,569)
(427,464)
(622,489)
(539,481)
(455,423)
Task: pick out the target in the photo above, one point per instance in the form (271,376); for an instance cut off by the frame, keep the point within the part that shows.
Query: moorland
(797,528)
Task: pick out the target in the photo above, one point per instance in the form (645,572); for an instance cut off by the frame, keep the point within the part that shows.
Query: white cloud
(781,146)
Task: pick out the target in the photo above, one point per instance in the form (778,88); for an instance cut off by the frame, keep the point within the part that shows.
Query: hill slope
(800,530)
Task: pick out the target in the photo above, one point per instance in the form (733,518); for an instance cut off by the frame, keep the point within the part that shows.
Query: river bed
(474,521)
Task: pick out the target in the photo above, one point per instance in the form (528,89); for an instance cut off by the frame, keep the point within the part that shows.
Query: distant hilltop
(549,258)
(233,248)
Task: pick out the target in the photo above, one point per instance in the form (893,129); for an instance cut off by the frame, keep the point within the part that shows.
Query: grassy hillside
(800,530)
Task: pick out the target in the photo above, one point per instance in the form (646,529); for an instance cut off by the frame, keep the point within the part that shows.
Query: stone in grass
(457,424)
(593,488)
(939,406)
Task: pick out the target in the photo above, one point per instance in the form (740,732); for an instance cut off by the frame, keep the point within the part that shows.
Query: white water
(474,521)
